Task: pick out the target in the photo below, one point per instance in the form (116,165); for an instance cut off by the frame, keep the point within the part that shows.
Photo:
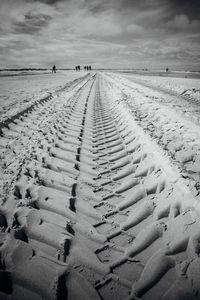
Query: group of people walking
(77,68)
(86,68)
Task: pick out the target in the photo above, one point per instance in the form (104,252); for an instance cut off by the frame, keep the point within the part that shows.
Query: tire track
(23,138)
(176,134)
(185,95)
(150,207)
(36,235)
(99,213)
(68,86)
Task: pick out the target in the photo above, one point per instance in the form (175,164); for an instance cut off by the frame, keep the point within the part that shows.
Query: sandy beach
(100,186)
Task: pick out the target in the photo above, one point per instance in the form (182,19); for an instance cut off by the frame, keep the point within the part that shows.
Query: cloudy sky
(103,33)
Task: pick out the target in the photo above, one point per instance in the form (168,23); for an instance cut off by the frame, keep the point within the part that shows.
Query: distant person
(84,68)
(54,69)
(90,68)
(167,69)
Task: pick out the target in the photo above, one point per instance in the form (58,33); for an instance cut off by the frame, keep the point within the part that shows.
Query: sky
(152,34)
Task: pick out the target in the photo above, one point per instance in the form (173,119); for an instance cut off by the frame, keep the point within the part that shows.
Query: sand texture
(100,185)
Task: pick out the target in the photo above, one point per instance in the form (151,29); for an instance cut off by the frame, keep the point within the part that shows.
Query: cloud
(102,32)
(23,14)
(32,22)
(134,28)
(190,8)
(50,2)
(182,22)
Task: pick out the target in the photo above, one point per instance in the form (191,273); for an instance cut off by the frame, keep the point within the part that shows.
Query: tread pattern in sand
(98,213)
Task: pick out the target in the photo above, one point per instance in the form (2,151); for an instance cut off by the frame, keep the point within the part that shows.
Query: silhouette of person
(54,69)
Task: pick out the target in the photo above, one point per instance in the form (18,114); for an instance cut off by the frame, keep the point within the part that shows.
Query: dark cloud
(50,2)
(97,7)
(191,8)
(120,5)
(32,23)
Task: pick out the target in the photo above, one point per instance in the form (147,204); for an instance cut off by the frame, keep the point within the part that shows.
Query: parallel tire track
(30,108)
(93,215)
(167,91)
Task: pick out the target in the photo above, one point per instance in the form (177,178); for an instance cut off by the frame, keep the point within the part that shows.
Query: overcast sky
(103,33)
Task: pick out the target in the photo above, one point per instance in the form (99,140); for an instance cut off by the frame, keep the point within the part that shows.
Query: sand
(100,192)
